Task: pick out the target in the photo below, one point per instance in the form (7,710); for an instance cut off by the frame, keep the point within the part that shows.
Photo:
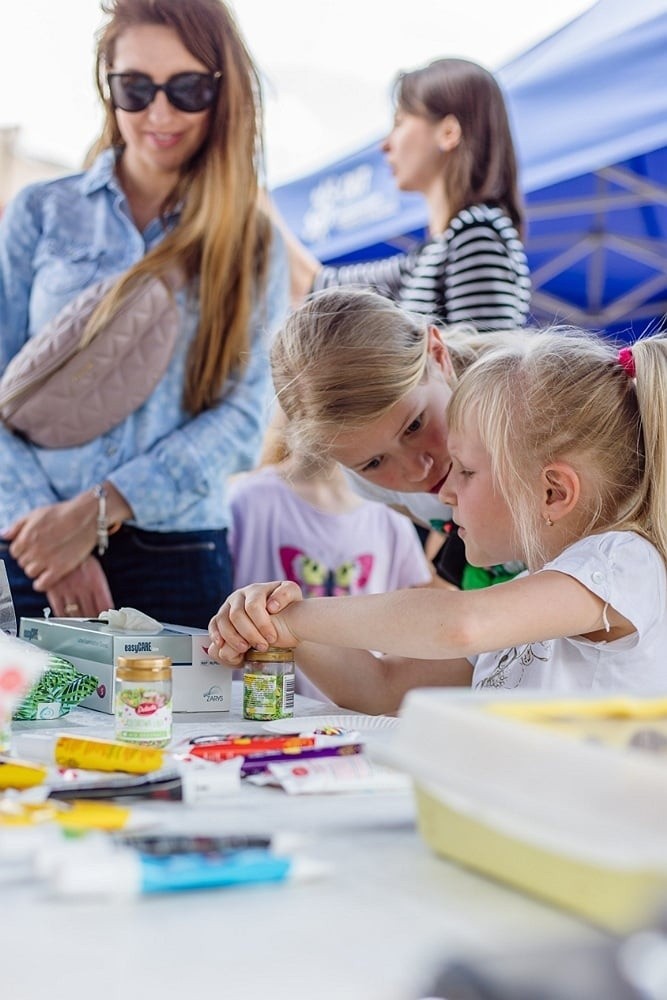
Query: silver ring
(71,609)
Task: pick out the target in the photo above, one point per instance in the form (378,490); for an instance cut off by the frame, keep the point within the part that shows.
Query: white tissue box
(200,684)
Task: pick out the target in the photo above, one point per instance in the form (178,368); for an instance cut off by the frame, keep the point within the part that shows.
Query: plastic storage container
(566,800)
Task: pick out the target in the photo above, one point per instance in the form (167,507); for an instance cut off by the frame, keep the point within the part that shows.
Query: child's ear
(561,489)
(439,353)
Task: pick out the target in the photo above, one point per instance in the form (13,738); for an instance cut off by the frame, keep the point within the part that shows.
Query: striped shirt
(475,272)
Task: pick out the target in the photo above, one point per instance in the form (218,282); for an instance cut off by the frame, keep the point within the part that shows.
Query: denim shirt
(58,237)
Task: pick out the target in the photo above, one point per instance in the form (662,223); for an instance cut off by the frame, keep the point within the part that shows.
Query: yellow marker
(20,774)
(106,755)
(72,816)
(90,815)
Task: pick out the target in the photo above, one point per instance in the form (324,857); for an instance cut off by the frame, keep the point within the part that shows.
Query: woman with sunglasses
(171,186)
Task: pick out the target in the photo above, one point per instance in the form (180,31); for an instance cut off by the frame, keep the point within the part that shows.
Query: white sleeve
(624,570)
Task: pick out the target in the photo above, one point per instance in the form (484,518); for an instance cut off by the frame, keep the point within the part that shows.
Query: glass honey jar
(142,700)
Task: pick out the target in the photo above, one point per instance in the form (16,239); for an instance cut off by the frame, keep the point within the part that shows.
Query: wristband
(100,495)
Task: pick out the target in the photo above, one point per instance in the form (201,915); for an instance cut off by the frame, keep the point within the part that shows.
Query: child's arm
(442,624)
(353,678)
(425,624)
(358,680)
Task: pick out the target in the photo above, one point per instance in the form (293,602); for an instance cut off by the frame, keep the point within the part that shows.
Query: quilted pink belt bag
(59,394)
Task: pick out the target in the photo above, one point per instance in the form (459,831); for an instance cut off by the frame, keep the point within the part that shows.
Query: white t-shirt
(629,574)
(425,508)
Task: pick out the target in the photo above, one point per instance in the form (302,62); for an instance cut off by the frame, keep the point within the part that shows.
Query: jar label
(143,715)
(268,696)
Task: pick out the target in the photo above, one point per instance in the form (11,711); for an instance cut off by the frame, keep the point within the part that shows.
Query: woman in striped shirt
(451,141)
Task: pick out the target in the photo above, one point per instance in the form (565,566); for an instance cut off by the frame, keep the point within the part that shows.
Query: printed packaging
(20,666)
(200,684)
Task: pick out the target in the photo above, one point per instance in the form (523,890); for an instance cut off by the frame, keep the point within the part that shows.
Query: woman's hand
(82,593)
(50,542)
(251,618)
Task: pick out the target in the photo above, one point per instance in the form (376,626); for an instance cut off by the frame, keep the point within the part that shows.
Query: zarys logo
(214,693)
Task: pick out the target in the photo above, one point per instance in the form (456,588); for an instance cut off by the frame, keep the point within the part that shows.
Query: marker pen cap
(286,842)
(308,870)
(21,843)
(52,855)
(117,874)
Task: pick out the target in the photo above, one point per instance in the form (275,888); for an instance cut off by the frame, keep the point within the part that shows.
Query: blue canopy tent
(589,112)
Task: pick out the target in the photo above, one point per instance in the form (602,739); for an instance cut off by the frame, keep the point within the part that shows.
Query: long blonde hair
(346,356)
(564,395)
(221,237)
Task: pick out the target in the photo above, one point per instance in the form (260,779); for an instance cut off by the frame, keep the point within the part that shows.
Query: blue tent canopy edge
(589,113)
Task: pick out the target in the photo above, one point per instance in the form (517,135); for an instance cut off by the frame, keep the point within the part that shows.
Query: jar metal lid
(154,668)
(271,655)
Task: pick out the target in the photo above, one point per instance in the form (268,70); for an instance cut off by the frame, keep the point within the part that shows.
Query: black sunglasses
(189,92)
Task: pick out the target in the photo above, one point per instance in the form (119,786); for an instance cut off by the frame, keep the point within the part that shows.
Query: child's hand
(250,618)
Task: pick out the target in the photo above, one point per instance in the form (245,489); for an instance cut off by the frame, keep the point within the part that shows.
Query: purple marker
(255,763)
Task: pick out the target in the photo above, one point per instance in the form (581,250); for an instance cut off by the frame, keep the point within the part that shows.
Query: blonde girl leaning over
(559,458)
(365,383)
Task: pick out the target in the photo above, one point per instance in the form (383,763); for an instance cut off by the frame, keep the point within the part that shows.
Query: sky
(327,66)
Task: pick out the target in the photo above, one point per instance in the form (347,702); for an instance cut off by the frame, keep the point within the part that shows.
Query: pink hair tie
(627,362)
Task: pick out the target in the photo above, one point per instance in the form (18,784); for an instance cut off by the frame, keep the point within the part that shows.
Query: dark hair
(482,168)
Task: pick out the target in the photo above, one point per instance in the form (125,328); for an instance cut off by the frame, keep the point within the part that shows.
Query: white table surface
(376,928)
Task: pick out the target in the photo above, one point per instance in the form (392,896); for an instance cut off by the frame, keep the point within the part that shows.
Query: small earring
(549,522)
